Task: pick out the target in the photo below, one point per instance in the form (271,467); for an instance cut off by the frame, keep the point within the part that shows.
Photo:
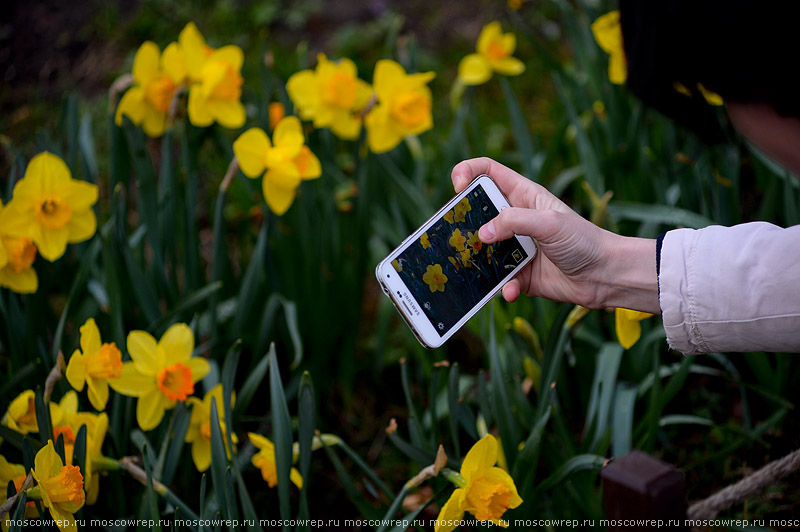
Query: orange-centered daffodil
(264,460)
(161,373)
(94,364)
(608,34)
(457,240)
(156,77)
(286,159)
(331,95)
(216,95)
(435,278)
(484,490)
(461,209)
(495,50)
(403,106)
(199,432)
(50,208)
(60,487)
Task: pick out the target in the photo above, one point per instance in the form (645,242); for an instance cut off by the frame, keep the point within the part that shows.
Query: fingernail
(486,232)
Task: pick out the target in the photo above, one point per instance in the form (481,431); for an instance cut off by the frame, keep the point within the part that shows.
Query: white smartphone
(442,274)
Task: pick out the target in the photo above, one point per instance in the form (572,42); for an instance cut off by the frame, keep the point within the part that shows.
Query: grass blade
(281,434)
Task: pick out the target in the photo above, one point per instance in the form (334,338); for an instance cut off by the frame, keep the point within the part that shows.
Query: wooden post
(643,493)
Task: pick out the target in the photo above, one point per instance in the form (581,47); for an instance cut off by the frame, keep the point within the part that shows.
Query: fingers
(519,221)
(510,182)
(511,291)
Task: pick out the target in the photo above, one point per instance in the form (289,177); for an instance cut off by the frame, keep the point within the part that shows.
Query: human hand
(579,262)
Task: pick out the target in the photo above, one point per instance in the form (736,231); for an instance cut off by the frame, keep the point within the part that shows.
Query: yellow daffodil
(435,278)
(425,241)
(331,95)
(68,426)
(485,491)
(93,364)
(21,413)
(457,240)
(287,161)
(453,262)
(60,487)
(629,330)
(161,373)
(51,208)
(13,473)
(216,94)
(474,242)
(466,257)
(608,34)
(276,113)
(199,432)
(264,460)
(398,266)
(461,209)
(449,217)
(403,106)
(156,77)
(16,261)
(495,50)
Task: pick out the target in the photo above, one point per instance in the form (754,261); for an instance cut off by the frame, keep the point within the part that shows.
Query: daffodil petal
(24,282)
(474,69)
(304,92)
(230,54)
(132,105)
(177,343)
(131,382)
(617,68)
(81,195)
(192,45)
(199,115)
(509,66)
(250,150)
(229,113)
(52,243)
(296,478)
(98,392)
(608,32)
(277,194)
(260,442)
(47,463)
(145,63)
(483,455)
(451,513)
(388,75)
(154,122)
(199,367)
(142,349)
(201,454)
(288,133)
(498,476)
(150,410)
(66,521)
(382,135)
(46,173)
(90,337)
(76,370)
(82,227)
(173,63)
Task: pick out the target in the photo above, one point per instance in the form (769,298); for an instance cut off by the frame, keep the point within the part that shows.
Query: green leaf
(152,499)
(525,467)
(502,406)
(252,280)
(43,417)
(365,508)
(306,405)
(228,377)
(79,451)
(275,302)
(182,417)
(251,386)
(391,513)
(602,393)
(581,462)
(219,462)
(281,434)
(187,303)
(662,214)
(520,128)
(18,521)
(622,419)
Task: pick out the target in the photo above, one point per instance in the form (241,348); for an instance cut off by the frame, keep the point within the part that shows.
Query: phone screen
(448,270)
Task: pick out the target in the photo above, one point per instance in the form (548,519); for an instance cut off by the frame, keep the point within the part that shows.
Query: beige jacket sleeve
(731,288)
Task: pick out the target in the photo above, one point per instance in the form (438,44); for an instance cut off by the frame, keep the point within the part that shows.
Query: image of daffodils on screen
(449,270)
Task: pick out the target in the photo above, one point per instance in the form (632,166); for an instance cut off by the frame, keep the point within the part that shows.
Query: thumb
(539,224)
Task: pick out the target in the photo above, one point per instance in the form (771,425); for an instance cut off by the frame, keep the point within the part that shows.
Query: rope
(769,474)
